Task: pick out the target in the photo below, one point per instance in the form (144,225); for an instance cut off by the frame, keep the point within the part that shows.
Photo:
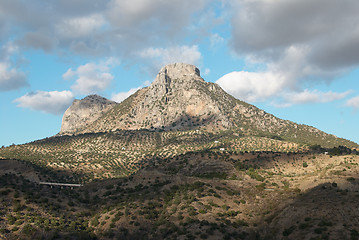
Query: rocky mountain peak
(84,112)
(179,99)
(177,71)
(94,99)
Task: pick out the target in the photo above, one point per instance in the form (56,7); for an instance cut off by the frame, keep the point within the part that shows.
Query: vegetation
(194,195)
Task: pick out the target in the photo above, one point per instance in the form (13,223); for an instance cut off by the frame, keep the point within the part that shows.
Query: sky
(298,60)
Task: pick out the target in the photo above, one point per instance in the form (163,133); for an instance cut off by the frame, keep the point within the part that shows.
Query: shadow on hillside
(327,211)
(38,173)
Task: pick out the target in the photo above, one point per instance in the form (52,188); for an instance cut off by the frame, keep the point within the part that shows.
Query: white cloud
(91,77)
(49,102)
(314,96)
(177,54)
(252,86)
(10,78)
(353,102)
(69,74)
(119,97)
(264,86)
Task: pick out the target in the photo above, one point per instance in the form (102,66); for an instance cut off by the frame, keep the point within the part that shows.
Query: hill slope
(199,195)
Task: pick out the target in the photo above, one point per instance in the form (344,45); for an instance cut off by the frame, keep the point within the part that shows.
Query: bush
(354,234)
(28,229)
(288,231)
(254,175)
(11,219)
(305,164)
(350,179)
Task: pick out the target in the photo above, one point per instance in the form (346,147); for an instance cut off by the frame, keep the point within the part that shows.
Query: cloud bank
(54,102)
(100,28)
(91,77)
(294,43)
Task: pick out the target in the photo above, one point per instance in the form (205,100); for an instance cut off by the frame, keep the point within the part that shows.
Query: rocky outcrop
(178,98)
(84,112)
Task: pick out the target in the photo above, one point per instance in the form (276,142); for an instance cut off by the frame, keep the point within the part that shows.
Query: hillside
(199,195)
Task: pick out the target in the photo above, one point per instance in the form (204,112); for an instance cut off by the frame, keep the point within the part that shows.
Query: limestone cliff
(84,112)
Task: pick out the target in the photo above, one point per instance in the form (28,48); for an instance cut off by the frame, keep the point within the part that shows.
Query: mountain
(180,159)
(179,113)
(84,112)
(180,99)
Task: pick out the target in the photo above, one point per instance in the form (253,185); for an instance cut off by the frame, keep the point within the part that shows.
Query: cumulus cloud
(11,78)
(353,102)
(262,86)
(252,86)
(91,77)
(49,102)
(299,39)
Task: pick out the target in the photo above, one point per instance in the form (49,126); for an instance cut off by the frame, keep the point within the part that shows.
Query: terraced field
(209,194)
(120,153)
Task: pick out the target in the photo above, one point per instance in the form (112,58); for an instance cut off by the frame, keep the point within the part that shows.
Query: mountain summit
(84,112)
(180,99)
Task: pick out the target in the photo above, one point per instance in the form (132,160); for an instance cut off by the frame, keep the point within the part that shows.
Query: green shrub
(288,231)
(28,229)
(254,175)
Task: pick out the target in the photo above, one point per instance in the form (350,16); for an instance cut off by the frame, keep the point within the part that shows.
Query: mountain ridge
(180,99)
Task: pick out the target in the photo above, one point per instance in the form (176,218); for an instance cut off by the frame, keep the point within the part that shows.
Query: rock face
(179,99)
(84,112)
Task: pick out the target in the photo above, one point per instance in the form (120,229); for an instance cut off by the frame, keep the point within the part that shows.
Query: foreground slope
(199,195)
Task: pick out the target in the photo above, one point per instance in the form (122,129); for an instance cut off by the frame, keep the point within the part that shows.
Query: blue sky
(298,60)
